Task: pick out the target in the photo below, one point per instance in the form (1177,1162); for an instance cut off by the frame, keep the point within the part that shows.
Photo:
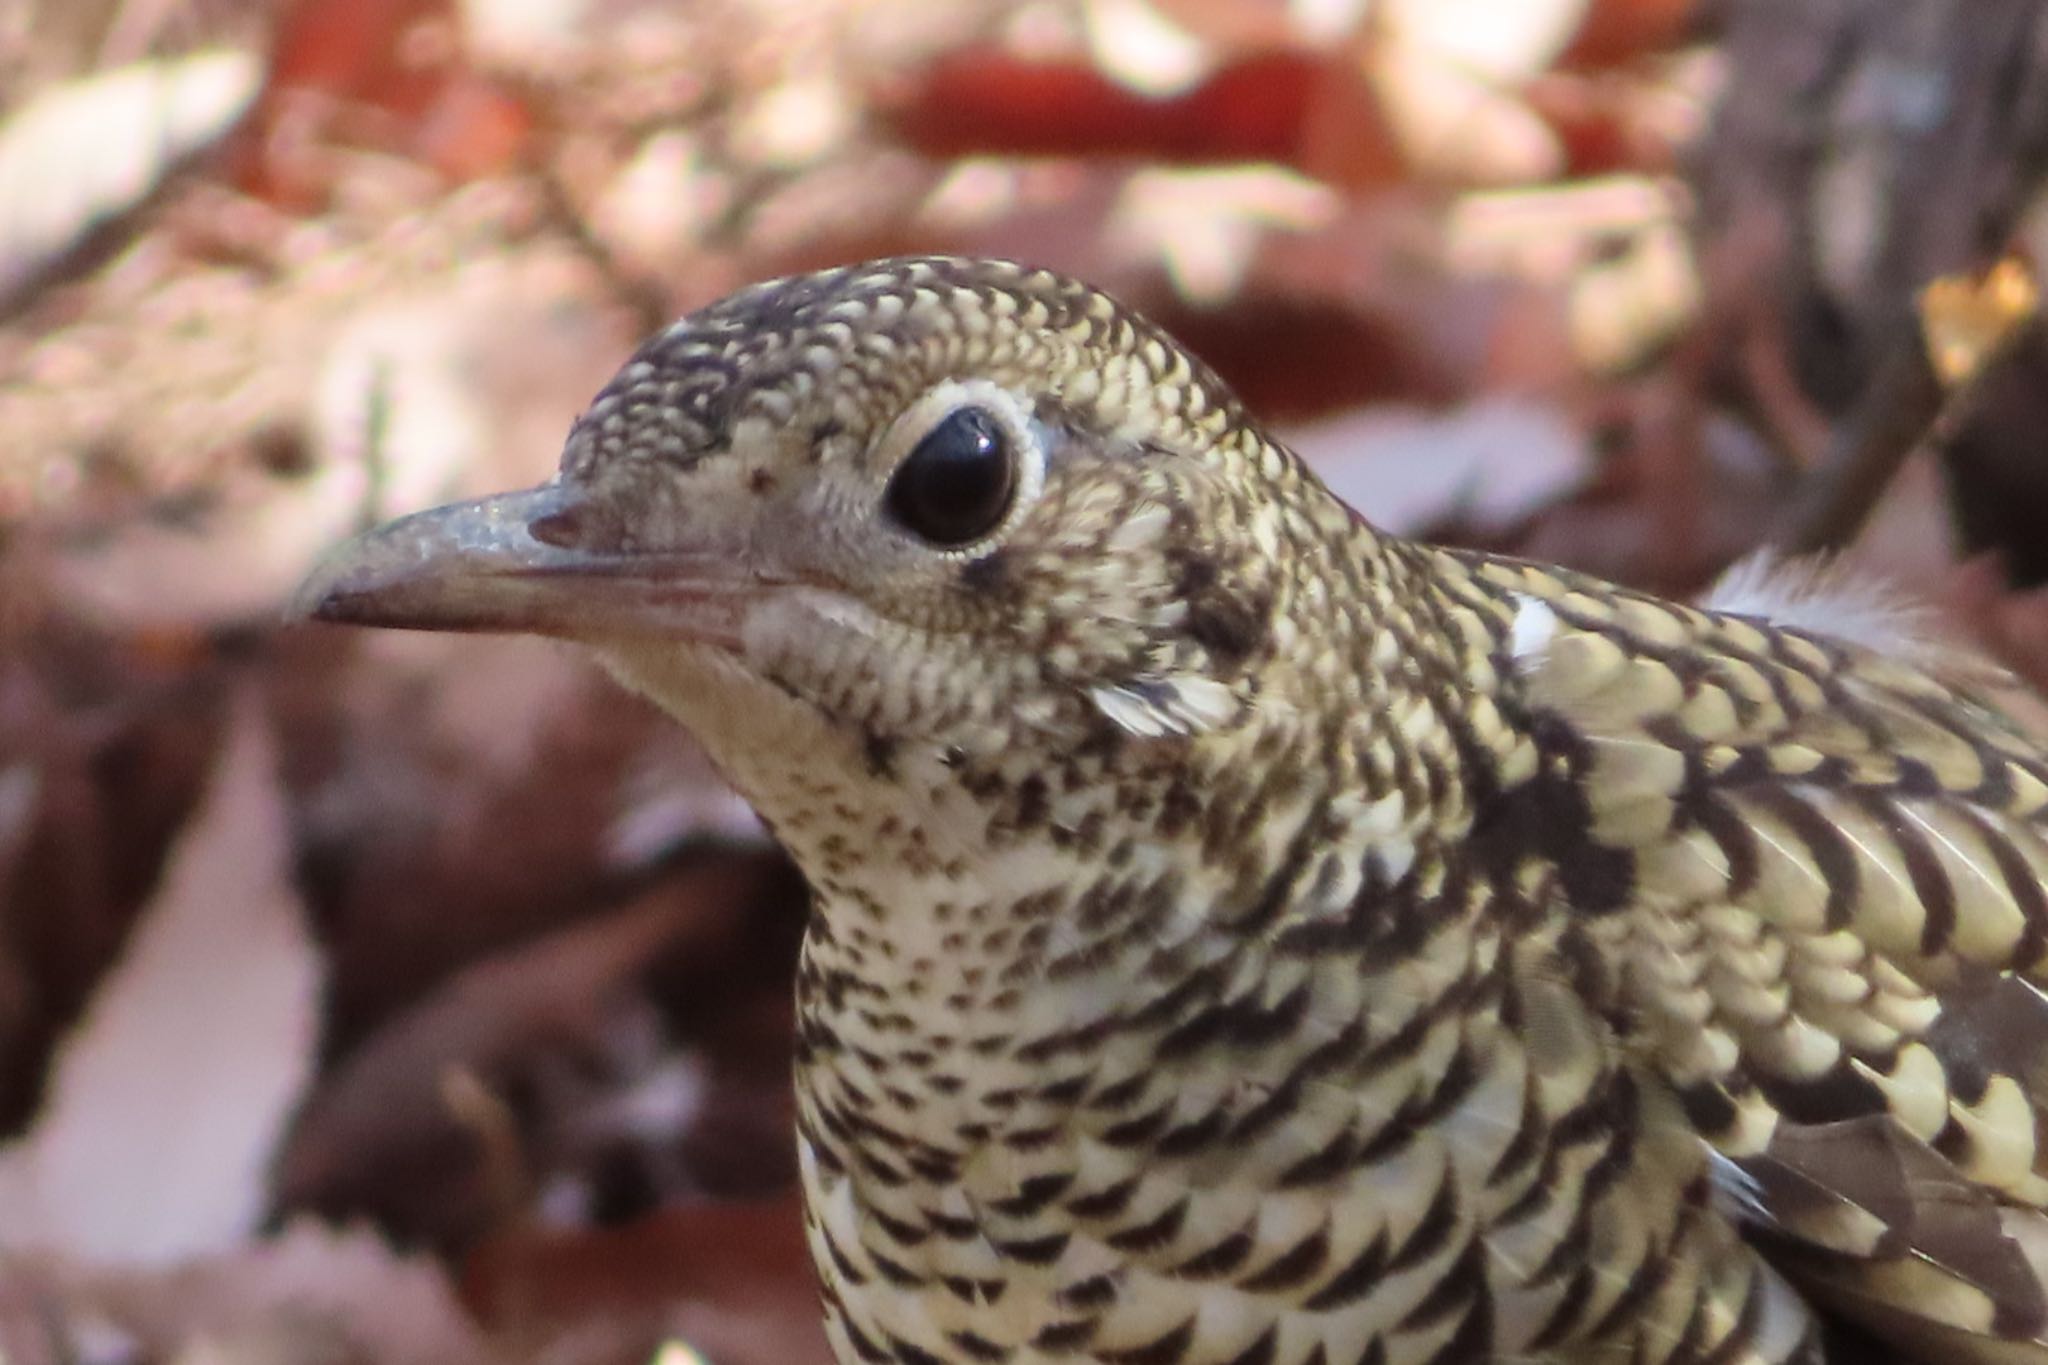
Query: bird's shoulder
(1834,943)
(1784,677)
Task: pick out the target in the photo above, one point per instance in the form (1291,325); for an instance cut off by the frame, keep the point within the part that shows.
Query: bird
(1241,936)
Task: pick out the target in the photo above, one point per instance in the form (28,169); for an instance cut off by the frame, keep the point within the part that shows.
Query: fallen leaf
(1967,320)
(1497,41)
(1249,25)
(20,793)
(734,1279)
(1144,49)
(416,396)
(1615,32)
(83,152)
(120,741)
(1206,225)
(1490,464)
(380,1136)
(1312,111)
(309,1295)
(167,1101)
(1457,125)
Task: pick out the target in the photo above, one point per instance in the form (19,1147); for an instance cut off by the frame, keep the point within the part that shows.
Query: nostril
(565,529)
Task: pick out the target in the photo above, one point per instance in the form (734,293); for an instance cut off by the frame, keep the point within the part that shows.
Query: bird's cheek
(830,653)
(802,631)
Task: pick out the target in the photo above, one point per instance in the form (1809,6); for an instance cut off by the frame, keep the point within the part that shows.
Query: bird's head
(927,505)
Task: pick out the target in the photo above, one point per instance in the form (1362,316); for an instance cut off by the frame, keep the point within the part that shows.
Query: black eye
(956,485)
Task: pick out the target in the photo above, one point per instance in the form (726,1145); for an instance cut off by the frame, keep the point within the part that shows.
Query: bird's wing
(1835,937)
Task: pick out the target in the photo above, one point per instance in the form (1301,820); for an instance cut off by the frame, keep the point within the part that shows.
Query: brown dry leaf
(391,73)
(456,797)
(1246,25)
(167,1101)
(307,1296)
(21,795)
(20,791)
(1966,320)
(1615,32)
(1309,110)
(733,1280)
(668,796)
(1976,601)
(381,1135)
(1613,529)
(1056,211)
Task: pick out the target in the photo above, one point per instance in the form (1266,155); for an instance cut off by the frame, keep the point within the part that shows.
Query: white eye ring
(940,402)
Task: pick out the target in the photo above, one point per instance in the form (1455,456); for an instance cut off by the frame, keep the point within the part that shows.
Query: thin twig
(1895,414)
(1905,408)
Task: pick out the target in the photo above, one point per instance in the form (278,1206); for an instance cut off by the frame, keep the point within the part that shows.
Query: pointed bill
(542,561)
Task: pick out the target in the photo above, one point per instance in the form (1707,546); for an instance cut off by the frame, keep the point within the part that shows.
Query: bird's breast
(1220,1140)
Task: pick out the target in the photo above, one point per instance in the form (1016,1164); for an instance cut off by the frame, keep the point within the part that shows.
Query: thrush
(1242,937)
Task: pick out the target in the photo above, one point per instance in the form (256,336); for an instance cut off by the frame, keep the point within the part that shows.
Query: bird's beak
(539,562)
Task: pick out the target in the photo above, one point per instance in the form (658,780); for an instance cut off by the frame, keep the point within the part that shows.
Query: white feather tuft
(1824,597)
(1130,712)
(1203,703)
(1185,704)
(1535,626)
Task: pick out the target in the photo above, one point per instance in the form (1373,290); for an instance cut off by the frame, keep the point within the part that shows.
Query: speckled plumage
(1243,938)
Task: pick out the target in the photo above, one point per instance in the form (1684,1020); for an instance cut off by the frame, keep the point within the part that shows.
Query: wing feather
(1836,943)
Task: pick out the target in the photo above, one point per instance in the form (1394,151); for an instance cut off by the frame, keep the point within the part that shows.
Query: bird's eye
(957,483)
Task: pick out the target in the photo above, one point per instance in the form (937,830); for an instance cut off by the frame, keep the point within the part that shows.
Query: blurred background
(375,998)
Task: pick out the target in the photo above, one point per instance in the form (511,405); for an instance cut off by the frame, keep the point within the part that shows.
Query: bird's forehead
(845,350)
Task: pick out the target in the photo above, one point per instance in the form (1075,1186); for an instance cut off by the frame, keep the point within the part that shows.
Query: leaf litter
(371,999)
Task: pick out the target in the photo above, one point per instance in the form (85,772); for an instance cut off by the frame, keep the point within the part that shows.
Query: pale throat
(936,928)
(910,894)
